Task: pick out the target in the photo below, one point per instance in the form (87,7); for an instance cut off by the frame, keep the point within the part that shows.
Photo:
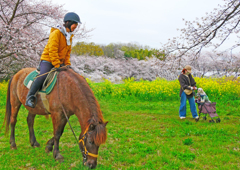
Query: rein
(85,152)
(54,69)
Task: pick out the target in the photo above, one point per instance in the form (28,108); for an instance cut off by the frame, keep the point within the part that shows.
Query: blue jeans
(183,106)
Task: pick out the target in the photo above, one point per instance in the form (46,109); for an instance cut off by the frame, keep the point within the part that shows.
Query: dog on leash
(202,96)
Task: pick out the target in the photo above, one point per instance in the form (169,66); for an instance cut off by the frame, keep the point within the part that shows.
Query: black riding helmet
(72,18)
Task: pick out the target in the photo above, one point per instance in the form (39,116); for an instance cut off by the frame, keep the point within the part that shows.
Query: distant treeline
(111,50)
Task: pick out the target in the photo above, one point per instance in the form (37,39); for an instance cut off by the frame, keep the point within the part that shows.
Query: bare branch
(14,11)
(219,24)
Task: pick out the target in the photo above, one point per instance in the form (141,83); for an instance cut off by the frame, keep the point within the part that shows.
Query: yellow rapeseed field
(167,90)
(159,89)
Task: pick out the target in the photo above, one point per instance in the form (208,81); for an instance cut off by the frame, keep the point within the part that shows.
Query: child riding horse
(56,53)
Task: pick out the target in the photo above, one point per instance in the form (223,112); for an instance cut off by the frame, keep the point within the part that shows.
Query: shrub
(82,48)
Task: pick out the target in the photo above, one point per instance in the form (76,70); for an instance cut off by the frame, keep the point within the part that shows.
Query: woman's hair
(67,24)
(184,71)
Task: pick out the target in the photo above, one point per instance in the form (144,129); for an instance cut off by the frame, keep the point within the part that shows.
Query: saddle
(47,86)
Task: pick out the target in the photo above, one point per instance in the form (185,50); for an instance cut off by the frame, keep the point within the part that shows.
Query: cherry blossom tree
(235,60)
(210,31)
(24,31)
(119,68)
(116,69)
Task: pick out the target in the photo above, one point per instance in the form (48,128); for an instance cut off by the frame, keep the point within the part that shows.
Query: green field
(144,132)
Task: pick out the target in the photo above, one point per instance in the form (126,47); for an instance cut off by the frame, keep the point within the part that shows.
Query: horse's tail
(8,109)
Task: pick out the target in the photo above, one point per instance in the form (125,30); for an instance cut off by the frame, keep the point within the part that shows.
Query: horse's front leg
(30,121)
(49,146)
(58,125)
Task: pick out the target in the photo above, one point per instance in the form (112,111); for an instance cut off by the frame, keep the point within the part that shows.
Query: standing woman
(56,53)
(187,83)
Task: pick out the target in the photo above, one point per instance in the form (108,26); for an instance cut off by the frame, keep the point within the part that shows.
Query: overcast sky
(147,22)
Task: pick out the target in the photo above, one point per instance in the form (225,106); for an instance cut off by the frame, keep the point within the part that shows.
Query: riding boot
(31,98)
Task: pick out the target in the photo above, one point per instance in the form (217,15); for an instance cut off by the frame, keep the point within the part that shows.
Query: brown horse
(71,95)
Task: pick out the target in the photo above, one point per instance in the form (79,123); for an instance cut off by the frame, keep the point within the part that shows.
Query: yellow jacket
(57,51)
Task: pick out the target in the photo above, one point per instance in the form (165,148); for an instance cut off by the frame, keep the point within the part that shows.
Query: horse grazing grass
(72,94)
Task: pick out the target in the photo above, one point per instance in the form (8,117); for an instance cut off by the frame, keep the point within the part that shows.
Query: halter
(85,152)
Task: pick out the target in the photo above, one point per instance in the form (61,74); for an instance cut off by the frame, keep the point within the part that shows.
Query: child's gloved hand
(56,68)
(69,66)
(195,88)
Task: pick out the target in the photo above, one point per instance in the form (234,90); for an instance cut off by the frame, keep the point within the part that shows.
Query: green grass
(141,135)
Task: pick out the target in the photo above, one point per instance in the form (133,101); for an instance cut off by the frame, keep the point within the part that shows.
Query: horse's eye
(91,142)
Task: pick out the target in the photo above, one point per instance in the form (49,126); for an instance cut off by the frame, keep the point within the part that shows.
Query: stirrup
(31,101)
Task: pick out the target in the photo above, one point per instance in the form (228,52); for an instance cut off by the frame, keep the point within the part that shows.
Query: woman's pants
(183,106)
(45,67)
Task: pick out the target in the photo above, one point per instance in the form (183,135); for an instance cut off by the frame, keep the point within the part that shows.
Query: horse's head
(94,135)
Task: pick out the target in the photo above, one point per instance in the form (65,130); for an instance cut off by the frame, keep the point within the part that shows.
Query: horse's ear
(105,124)
(91,127)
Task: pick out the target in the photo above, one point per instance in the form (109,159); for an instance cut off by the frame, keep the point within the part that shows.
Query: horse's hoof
(59,158)
(36,144)
(48,149)
(13,147)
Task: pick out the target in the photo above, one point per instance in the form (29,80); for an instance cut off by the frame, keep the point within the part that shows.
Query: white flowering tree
(210,31)
(21,31)
(119,68)
(235,60)
(24,31)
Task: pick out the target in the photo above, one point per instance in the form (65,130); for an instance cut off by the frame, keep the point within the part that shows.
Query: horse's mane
(100,133)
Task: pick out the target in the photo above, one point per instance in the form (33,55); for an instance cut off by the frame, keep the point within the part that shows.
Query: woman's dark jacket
(184,83)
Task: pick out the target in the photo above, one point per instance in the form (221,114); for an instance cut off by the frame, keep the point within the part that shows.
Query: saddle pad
(49,83)
(30,78)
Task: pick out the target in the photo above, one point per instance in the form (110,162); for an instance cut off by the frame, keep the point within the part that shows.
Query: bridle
(85,151)
(83,139)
